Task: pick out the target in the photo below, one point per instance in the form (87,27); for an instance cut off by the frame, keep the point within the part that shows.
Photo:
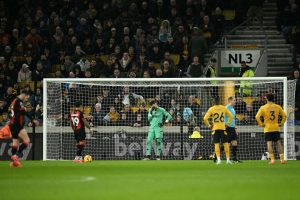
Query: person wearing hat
(246,86)
(24,74)
(212,73)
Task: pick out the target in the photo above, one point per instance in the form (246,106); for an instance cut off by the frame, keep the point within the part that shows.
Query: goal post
(117,109)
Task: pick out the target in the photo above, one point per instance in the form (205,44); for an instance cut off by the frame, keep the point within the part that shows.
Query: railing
(242,24)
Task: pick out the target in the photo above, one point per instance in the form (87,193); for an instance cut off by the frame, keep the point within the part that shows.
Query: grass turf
(166,180)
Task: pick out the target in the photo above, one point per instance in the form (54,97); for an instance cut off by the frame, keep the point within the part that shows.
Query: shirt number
(75,121)
(272,115)
(218,118)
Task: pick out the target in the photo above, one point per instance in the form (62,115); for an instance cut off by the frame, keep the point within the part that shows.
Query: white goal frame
(46,80)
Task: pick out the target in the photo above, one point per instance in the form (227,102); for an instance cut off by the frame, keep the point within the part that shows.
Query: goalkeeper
(155,117)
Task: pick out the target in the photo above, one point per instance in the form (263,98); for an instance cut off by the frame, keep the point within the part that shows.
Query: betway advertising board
(231,59)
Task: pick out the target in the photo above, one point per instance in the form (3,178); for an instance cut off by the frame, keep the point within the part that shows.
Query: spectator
(166,69)
(208,30)
(39,73)
(130,98)
(218,19)
(84,64)
(164,31)
(212,73)
(155,54)
(240,106)
(125,64)
(250,115)
(4,120)
(167,57)
(151,69)
(158,73)
(195,107)
(183,63)
(126,116)
(112,117)
(116,74)
(24,74)
(107,98)
(10,74)
(141,116)
(97,115)
(260,101)
(246,86)
(2,106)
(256,10)
(198,45)
(296,77)
(195,69)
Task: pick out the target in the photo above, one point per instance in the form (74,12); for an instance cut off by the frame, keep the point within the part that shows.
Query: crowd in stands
(118,38)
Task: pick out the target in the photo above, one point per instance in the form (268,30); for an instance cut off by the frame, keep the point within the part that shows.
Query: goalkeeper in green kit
(155,117)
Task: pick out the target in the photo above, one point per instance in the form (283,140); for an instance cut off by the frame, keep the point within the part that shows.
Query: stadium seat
(104,58)
(240,117)
(229,15)
(55,68)
(157,66)
(31,85)
(175,58)
(87,110)
(89,57)
(134,108)
(248,100)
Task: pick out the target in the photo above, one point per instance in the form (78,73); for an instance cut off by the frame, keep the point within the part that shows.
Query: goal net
(117,110)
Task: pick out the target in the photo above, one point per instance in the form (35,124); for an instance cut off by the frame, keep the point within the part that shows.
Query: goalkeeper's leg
(158,136)
(149,142)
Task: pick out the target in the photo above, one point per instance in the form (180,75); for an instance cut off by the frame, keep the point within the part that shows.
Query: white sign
(233,58)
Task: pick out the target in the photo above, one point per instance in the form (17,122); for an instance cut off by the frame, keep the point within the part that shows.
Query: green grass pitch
(155,180)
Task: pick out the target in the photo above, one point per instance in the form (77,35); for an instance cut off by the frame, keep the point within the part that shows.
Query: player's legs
(216,140)
(280,151)
(234,150)
(15,144)
(150,137)
(25,138)
(80,146)
(270,137)
(270,150)
(158,137)
(226,146)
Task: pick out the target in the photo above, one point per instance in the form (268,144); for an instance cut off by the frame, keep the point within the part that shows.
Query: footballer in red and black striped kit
(16,125)
(78,124)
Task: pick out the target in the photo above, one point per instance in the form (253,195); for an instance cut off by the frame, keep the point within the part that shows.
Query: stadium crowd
(84,39)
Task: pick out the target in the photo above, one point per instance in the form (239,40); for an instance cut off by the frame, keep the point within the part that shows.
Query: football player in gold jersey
(218,126)
(273,118)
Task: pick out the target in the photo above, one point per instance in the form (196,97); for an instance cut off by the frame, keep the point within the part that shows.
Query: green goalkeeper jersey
(155,117)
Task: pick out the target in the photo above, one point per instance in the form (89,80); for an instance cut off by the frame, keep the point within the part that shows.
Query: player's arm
(283,115)
(150,114)
(230,117)
(257,117)
(71,123)
(85,122)
(206,117)
(167,115)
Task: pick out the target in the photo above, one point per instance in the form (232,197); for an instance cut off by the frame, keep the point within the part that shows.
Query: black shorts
(220,136)
(79,136)
(15,130)
(231,134)
(272,136)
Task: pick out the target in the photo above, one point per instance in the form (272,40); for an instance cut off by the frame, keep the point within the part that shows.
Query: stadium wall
(124,145)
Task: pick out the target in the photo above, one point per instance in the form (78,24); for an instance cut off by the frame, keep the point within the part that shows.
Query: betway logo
(169,148)
(5,150)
